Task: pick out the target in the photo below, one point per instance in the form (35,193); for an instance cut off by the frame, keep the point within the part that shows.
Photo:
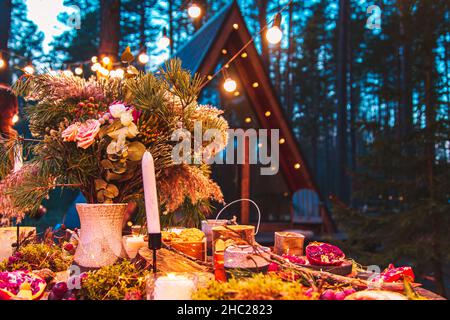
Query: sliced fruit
(21,285)
(324,254)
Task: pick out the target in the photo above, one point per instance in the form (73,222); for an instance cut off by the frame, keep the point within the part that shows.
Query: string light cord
(209,79)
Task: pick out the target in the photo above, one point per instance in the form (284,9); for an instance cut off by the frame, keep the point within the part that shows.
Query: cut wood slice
(169,261)
(344,269)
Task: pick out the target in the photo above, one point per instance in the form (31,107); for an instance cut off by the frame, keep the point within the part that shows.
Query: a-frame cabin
(216,42)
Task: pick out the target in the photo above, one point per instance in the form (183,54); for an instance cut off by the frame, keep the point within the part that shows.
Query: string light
(269,33)
(237,93)
(143,58)
(96,67)
(94,59)
(255,85)
(274,34)
(106,60)
(229,85)
(15,119)
(297,166)
(244,55)
(248,120)
(164,41)
(282,141)
(224,51)
(2,63)
(104,72)
(79,71)
(194,11)
(29,69)
(120,73)
(235,26)
(268,113)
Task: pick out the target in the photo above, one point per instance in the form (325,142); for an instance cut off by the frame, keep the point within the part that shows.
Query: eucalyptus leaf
(100,184)
(136,151)
(107,164)
(101,196)
(112,189)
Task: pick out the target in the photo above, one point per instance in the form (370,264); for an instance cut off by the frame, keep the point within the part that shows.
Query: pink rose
(87,133)
(70,134)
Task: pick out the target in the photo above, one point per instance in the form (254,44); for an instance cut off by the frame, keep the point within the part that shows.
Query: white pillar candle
(173,287)
(151,197)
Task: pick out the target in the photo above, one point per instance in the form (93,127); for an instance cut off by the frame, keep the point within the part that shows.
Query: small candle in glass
(173,286)
(290,243)
(132,244)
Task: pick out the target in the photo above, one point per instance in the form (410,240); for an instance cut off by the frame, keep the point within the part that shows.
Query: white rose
(116,110)
(126,118)
(132,130)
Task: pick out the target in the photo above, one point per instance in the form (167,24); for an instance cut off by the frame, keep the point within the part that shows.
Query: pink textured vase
(100,242)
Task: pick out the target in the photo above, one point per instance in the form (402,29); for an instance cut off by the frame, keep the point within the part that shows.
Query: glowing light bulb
(229,85)
(106,60)
(255,85)
(268,113)
(143,58)
(2,63)
(15,119)
(96,67)
(282,141)
(297,166)
(94,59)
(29,69)
(78,71)
(274,35)
(235,26)
(194,11)
(104,72)
(120,73)
(164,42)
(248,120)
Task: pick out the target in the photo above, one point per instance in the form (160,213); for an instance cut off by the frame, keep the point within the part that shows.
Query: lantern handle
(239,200)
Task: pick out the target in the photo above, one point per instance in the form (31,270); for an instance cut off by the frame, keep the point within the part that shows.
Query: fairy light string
(79,64)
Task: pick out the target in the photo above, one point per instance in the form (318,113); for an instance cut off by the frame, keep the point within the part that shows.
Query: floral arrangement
(91,135)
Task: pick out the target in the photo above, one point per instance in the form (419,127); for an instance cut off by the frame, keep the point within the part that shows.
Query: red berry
(69,247)
(328,295)
(274,267)
(60,289)
(340,295)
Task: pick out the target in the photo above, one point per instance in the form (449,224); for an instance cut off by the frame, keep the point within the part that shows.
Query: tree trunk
(109,28)
(431,105)
(289,86)
(405,113)
(342,95)
(262,18)
(5,30)
(142,19)
(171,26)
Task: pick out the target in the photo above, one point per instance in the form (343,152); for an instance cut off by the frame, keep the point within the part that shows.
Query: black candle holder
(154,243)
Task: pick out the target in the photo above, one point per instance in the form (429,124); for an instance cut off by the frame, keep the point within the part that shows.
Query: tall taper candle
(151,197)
